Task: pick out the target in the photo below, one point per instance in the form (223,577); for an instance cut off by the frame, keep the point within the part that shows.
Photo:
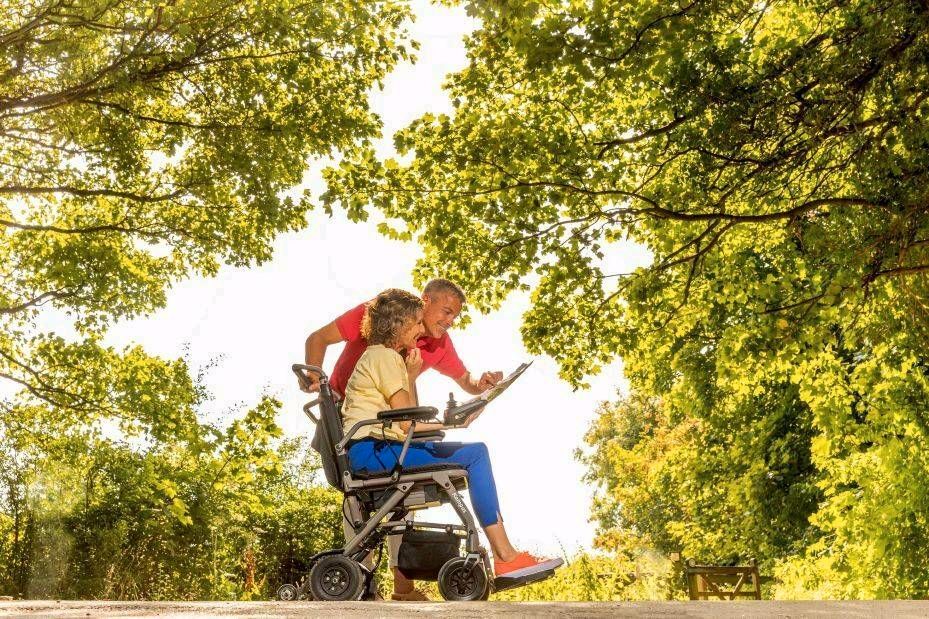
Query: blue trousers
(371,455)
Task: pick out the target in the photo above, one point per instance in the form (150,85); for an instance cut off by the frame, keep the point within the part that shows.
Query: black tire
(458,584)
(287,593)
(337,578)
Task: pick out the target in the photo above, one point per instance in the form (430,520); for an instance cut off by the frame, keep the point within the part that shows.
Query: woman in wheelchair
(382,380)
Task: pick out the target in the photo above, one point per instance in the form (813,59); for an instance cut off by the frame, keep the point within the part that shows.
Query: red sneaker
(524,563)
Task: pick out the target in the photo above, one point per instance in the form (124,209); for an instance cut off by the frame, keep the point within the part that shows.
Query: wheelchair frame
(464,578)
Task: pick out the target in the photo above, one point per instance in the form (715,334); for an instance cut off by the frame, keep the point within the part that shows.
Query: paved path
(475,610)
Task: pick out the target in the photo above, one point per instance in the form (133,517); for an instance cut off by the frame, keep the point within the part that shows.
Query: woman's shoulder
(378,353)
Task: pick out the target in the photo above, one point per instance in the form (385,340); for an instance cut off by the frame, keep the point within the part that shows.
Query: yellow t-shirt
(379,373)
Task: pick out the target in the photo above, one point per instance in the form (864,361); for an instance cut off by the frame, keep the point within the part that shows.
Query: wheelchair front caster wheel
(287,593)
(337,578)
(458,583)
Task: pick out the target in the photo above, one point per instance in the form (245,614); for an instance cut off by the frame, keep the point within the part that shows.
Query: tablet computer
(457,414)
(502,386)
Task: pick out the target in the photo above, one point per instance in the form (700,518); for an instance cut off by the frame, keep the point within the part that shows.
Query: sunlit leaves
(142,143)
(146,142)
(772,159)
(171,521)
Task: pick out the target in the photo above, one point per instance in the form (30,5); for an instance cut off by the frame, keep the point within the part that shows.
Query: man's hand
(414,362)
(313,381)
(489,379)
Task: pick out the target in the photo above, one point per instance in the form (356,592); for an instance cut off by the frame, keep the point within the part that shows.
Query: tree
(145,142)
(720,488)
(772,158)
(142,143)
(231,516)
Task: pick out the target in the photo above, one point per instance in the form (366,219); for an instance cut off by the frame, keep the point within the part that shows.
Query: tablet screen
(502,386)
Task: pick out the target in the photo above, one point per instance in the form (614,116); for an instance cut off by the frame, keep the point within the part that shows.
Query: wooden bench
(725,582)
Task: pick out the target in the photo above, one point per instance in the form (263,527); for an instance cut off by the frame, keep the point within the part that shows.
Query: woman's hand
(414,362)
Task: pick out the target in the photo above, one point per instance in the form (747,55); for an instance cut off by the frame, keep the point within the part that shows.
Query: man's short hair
(444,286)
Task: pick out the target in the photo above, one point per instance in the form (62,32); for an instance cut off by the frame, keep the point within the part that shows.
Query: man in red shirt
(442,301)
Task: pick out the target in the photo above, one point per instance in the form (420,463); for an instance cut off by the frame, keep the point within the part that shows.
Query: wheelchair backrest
(328,434)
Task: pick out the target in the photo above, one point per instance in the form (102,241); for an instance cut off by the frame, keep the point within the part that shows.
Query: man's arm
(316,345)
(476,385)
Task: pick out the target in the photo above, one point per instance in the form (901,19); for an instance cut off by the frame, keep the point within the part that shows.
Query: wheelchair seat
(407,470)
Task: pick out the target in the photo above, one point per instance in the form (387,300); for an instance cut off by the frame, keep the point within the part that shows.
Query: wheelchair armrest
(430,435)
(414,413)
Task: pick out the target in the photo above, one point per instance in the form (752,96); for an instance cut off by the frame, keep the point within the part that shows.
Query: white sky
(255,322)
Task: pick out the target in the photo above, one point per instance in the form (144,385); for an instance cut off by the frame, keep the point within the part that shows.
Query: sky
(251,324)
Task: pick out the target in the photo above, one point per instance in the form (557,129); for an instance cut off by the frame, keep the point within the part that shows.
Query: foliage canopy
(772,158)
(143,142)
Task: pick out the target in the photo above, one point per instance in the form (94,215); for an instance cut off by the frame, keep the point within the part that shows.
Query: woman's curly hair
(387,314)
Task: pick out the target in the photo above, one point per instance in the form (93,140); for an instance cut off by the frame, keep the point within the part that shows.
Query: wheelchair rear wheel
(337,578)
(458,583)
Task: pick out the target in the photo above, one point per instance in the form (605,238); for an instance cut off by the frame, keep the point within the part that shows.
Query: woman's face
(411,331)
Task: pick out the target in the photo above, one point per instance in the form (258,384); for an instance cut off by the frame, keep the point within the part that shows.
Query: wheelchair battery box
(423,553)
(423,496)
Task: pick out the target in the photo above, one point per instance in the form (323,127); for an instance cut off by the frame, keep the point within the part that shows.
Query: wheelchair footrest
(528,575)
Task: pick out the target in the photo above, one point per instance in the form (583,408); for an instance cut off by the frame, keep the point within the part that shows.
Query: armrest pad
(417,413)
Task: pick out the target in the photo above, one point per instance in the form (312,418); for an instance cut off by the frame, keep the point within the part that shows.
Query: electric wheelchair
(378,504)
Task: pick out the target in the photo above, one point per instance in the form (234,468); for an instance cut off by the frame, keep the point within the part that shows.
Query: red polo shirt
(437,353)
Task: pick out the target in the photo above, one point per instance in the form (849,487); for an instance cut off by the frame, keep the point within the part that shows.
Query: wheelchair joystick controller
(449,418)
(456,414)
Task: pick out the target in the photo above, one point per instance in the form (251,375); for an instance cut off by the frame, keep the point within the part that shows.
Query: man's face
(439,313)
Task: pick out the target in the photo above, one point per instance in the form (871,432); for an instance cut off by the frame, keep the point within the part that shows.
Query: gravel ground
(476,610)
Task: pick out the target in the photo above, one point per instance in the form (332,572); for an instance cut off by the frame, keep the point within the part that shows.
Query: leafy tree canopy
(231,516)
(773,158)
(144,142)
(141,143)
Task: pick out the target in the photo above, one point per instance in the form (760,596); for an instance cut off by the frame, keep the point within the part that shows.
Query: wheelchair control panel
(456,414)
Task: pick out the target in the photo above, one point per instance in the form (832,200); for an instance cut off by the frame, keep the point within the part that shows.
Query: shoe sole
(544,566)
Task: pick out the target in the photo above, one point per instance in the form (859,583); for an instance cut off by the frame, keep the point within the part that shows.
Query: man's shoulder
(349,323)
(357,310)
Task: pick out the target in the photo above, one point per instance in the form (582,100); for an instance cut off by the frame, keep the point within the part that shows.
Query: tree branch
(608,144)
(909,270)
(37,301)
(86,193)
(59,230)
